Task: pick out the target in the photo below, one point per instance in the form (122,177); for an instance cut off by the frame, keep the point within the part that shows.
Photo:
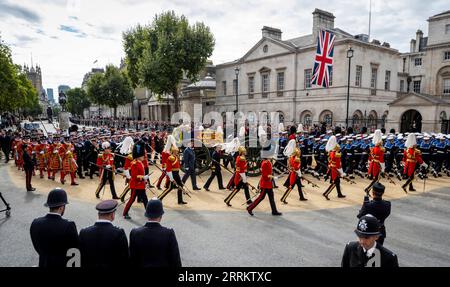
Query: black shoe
(341,196)
(98,196)
(222,188)
(182,202)
(122,199)
(115,197)
(127,217)
(285,202)
(412,189)
(206,189)
(277,213)
(228,204)
(326,196)
(250,212)
(74,183)
(196,188)
(404,189)
(82,177)
(276,186)
(303,199)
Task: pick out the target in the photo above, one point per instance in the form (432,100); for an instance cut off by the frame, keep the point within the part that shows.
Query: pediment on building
(267,47)
(417,100)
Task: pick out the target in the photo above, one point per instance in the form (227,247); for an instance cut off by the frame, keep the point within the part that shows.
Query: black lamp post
(236,71)
(349,56)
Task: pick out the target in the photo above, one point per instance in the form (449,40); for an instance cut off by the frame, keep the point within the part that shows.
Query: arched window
(384,119)
(443,116)
(372,121)
(357,119)
(327,117)
(280,116)
(306,118)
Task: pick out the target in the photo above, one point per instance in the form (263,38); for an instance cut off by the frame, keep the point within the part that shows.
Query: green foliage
(16,91)
(77,101)
(113,88)
(158,55)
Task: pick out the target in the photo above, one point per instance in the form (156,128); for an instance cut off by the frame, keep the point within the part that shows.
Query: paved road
(418,231)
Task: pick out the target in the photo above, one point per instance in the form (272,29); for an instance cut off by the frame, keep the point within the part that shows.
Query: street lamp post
(236,71)
(349,56)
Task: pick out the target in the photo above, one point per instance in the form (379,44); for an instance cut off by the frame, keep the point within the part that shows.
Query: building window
(373,81)
(265,48)
(265,85)
(234,87)
(402,86)
(358,76)
(307,120)
(280,83)
(447,56)
(446,86)
(447,29)
(308,73)
(418,62)
(251,86)
(387,81)
(224,87)
(331,77)
(416,86)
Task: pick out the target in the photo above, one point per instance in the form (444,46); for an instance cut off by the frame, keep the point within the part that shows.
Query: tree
(77,101)
(157,56)
(113,88)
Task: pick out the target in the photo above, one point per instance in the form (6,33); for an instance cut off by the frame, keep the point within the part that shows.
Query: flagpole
(370,19)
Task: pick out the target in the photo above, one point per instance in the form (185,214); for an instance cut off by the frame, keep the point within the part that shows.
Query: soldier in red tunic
(376,160)
(69,164)
(240,177)
(411,157)
(138,179)
(54,160)
(295,174)
(265,183)
(173,169)
(164,157)
(126,148)
(41,156)
(105,162)
(334,167)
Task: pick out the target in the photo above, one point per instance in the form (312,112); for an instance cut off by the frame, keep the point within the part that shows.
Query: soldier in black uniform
(29,162)
(378,207)
(367,252)
(215,169)
(153,245)
(103,244)
(52,235)
(92,155)
(81,153)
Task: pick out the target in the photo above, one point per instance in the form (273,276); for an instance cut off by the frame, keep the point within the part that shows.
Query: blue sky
(66,36)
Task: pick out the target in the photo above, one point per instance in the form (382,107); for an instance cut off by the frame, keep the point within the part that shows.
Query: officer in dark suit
(153,245)
(29,162)
(81,153)
(52,235)
(377,207)
(102,244)
(189,165)
(215,169)
(367,252)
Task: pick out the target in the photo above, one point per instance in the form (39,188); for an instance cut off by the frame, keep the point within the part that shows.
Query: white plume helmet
(377,137)
(106,145)
(231,147)
(281,127)
(331,144)
(126,146)
(290,148)
(170,142)
(411,141)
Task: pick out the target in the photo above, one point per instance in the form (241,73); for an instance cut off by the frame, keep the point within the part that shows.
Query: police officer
(52,235)
(153,245)
(378,207)
(367,252)
(103,244)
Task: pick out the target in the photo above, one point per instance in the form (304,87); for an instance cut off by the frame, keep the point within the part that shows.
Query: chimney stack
(322,20)
(270,32)
(419,36)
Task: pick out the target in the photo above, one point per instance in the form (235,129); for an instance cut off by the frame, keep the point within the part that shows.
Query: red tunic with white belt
(411,157)
(104,160)
(137,175)
(266,170)
(173,163)
(294,164)
(241,167)
(376,158)
(334,164)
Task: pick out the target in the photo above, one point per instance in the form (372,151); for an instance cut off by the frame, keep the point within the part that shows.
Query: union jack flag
(323,65)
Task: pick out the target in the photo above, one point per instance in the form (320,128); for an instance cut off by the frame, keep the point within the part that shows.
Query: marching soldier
(389,155)
(366,252)
(41,156)
(411,157)
(80,152)
(54,162)
(334,167)
(52,235)
(240,177)
(105,162)
(126,148)
(138,178)
(104,245)
(189,165)
(173,172)
(295,174)
(165,154)
(378,207)
(69,164)
(376,160)
(216,170)
(265,183)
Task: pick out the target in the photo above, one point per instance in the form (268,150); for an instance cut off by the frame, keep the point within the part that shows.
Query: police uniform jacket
(354,256)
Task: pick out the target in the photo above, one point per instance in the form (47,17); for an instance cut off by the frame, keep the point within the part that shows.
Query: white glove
(127,174)
(187,168)
(244,177)
(383,166)
(342,173)
(108,166)
(146,178)
(169,174)
(299,173)
(424,165)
